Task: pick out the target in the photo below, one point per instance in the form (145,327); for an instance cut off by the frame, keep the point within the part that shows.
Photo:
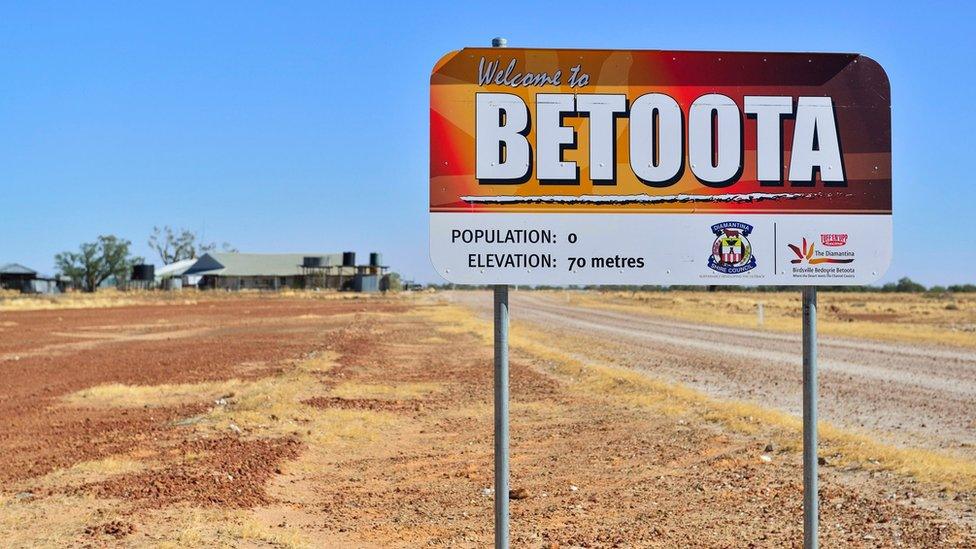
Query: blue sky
(303,126)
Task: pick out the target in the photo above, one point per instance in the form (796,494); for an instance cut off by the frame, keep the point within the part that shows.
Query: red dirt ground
(245,466)
(210,341)
(589,472)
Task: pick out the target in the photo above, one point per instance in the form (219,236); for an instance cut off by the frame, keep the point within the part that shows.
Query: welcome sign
(659,167)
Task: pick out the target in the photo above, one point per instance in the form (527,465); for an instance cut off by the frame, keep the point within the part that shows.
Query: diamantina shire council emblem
(731,251)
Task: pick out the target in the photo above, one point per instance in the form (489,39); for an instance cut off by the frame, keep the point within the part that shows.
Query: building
(14,276)
(174,277)
(241,271)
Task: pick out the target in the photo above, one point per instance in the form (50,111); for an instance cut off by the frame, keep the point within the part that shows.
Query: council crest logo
(731,251)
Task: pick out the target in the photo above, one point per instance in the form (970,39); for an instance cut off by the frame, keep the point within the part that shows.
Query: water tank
(144,272)
(348,259)
(375,259)
(311,261)
(366,283)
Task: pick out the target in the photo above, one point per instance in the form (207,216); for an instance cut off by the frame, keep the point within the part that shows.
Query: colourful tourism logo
(804,253)
(833,239)
(731,251)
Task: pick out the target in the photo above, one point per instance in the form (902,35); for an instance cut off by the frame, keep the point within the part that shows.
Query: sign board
(659,167)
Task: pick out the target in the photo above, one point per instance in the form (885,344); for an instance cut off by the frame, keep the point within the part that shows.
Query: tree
(224,247)
(961,288)
(96,261)
(906,284)
(393,282)
(173,246)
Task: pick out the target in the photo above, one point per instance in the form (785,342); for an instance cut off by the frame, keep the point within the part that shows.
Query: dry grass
(194,527)
(400,391)
(622,385)
(61,521)
(328,295)
(117,395)
(267,407)
(921,318)
(274,406)
(110,297)
(98,300)
(88,472)
(52,521)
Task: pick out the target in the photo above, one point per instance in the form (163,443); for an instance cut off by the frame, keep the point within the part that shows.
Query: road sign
(659,167)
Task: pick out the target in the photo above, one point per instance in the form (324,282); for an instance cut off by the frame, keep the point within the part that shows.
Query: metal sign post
(810,464)
(501,401)
(501,416)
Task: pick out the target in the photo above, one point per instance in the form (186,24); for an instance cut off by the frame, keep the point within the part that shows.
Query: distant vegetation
(904,285)
(96,262)
(177,245)
(394,282)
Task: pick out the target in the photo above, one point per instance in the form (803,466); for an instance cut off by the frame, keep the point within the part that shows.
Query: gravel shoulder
(919,395)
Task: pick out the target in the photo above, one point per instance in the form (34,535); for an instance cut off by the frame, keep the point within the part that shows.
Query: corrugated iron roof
(177,268)
(238,264)
(17,268)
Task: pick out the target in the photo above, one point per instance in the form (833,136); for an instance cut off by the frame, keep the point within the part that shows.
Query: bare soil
(588,471)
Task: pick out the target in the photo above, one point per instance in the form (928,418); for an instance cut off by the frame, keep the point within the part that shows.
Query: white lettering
(727,139)
(551,136)
(769,111)
(656,137)
(601,108)
(655,125)
(815,141)
(501,151)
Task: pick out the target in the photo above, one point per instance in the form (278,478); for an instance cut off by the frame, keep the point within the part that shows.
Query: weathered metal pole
(501,401)
(810,464)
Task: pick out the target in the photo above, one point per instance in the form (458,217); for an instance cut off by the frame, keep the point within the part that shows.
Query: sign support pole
(810,464)
(501,416)
(501,400)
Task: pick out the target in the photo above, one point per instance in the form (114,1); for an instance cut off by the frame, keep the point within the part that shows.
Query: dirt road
(912,394)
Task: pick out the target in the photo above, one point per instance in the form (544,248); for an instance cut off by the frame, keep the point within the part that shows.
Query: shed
(176,271)
(14,276)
